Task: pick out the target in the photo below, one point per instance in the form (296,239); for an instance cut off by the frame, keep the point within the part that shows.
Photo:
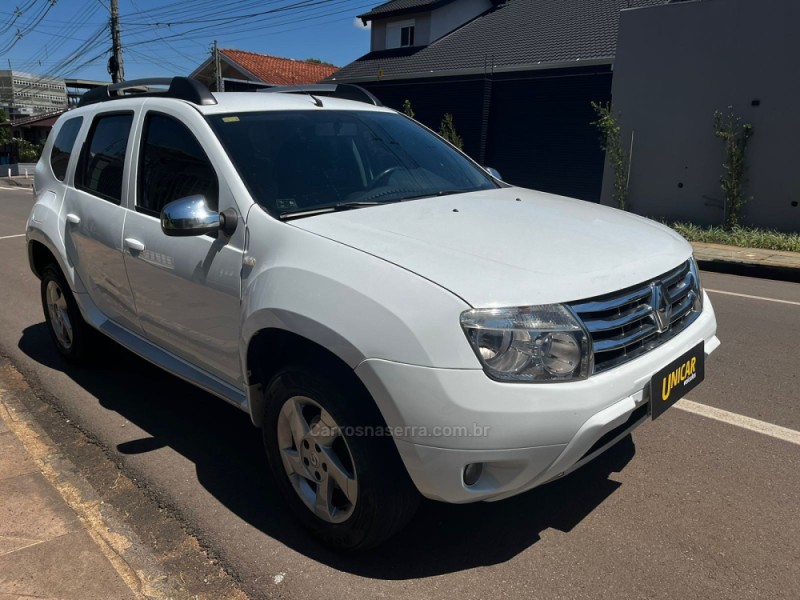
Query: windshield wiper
(436,194)
(328,208)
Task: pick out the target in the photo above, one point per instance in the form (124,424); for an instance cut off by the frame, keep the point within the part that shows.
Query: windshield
(299,161)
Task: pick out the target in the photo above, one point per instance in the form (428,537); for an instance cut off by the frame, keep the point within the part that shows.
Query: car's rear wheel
(339,473)
(69,331)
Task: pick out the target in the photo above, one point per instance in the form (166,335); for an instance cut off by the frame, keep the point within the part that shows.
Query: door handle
(72,218)
(134,245)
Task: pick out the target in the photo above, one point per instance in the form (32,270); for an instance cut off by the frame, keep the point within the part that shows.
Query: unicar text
(682,375)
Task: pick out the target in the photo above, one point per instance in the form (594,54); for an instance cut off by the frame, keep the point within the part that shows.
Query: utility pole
(115,68)
(220,85)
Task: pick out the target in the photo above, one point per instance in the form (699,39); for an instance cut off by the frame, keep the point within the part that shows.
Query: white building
(25,94)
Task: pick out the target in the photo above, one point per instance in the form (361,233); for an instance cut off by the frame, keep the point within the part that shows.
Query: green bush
(28,151)
(744,237)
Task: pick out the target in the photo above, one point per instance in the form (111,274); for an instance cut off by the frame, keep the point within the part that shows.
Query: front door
(186,289)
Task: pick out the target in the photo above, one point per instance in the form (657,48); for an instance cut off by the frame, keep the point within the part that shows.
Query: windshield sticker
(230,119)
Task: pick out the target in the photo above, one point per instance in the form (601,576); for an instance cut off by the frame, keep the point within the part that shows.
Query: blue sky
(172,37)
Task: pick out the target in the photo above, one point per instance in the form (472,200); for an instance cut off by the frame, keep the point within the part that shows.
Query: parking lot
(704,506)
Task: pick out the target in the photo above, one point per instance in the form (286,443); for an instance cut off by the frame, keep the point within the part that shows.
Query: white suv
(396,319)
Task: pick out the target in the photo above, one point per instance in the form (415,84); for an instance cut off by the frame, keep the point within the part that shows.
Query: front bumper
(524,434)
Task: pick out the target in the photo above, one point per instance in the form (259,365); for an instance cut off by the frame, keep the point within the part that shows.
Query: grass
(743,237)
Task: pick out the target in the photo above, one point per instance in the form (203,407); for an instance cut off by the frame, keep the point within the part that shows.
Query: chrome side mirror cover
(494,173)
(189,216)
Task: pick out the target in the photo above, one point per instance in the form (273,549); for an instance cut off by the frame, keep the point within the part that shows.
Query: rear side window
(62,148)
(173,165)
(103,158)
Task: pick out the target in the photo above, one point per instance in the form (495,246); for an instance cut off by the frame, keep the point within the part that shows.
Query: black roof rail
(343,91)
(181,88)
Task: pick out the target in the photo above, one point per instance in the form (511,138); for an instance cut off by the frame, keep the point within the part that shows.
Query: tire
(71,335)
(311,433)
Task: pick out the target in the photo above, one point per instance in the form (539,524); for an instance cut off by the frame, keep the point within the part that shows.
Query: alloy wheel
(317,459)
(58,311)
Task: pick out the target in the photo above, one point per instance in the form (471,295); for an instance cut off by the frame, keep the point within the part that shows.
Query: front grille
(631,322)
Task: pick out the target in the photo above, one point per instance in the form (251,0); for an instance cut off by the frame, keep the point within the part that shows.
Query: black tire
(386,498)
(75,345)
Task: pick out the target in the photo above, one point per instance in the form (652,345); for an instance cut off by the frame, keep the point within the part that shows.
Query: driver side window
(172,165)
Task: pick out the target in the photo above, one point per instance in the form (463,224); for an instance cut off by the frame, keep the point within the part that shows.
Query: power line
(49,4)
(175,30)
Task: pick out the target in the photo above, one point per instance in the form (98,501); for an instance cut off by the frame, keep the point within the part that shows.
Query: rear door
(187,289)
(94,211)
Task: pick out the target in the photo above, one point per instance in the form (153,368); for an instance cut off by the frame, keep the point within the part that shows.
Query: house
(680,63)
(35,129)
(242,70)
(518,77)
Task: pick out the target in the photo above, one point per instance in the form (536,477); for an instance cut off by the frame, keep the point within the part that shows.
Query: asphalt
(57,540)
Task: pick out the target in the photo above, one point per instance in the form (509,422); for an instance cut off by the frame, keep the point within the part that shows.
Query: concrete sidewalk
(63,538)
(23,182)
(752,262)
(47,547)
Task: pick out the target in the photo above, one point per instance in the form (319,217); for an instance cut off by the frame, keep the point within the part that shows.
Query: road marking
(753,297)
(775,431)
(8,237)
(16,189)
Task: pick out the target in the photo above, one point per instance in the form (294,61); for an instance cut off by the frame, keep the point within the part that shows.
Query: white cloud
(359,25)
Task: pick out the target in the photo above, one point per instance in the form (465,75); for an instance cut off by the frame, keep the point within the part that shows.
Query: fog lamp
(472,472)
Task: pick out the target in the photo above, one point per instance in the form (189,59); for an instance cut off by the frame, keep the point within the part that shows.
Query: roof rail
(181,88)
(343,91)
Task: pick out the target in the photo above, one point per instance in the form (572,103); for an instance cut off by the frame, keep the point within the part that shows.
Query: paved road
(702,509)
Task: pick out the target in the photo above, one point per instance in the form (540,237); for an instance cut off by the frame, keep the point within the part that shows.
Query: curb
(730,267)
(26,183)
(748,262)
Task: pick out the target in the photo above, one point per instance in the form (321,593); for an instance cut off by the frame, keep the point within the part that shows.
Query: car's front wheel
(333,461)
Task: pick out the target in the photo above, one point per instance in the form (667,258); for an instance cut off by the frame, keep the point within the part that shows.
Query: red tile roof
(279,71)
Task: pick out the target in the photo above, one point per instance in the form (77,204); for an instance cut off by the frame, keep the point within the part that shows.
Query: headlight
(531,343)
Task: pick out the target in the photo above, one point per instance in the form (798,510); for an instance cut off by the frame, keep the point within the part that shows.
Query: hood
(511,246)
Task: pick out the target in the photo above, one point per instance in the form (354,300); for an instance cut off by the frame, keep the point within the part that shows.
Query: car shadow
(226,451)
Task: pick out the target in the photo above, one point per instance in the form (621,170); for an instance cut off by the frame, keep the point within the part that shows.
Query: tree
(5,132)
(611,143)
(318,61)
(448,131)
(735,135)
(407,110)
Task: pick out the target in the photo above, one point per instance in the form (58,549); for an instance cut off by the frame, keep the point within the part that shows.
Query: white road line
(775,431)
(8,237)
(16,189)
(753,297)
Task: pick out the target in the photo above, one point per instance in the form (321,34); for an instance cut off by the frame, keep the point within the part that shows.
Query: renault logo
(662,308)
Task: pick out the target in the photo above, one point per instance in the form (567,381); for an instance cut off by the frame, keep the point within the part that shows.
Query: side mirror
(191,216)
(494,173)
